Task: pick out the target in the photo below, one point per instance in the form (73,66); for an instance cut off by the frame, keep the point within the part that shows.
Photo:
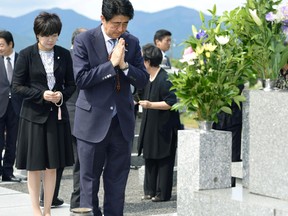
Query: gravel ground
(134,206)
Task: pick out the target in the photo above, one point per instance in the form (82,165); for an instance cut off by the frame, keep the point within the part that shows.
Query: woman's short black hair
(152,54)
(46,24)
(111,8)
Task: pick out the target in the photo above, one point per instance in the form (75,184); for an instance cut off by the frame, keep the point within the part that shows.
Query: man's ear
(102,18)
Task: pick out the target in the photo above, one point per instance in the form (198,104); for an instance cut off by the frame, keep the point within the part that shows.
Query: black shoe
(158,199)
(146,197)
(11,178)
(55,203)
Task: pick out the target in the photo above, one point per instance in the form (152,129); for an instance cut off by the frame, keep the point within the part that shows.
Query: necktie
(111,45)
(9,69)
(168,62)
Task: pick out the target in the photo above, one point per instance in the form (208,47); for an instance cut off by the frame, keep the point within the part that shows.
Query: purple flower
(284,11)
(201,34)
(285,29)
(270,17)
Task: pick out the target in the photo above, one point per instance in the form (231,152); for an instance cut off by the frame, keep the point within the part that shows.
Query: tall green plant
(213,66)
(259,25)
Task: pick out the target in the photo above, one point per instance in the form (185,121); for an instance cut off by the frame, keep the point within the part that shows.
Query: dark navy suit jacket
(5,88)
(32,83)
(95,77)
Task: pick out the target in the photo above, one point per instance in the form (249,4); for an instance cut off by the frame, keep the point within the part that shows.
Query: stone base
(233,201)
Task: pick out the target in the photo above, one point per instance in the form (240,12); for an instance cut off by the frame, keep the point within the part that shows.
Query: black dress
(158,139)
(158,127)
(44,140)
(46,145)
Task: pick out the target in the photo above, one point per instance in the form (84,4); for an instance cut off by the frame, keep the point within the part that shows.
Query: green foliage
(262,39)
(212,68)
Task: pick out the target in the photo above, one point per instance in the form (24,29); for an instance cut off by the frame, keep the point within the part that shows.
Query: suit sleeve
(21,84)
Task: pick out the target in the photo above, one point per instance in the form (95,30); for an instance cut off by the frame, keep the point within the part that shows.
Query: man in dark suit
(162,40)
(75,195)
(10,106)
(107,60)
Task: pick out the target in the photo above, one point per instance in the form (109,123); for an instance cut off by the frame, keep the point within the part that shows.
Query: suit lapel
(99,44)
(37,59)
(3,72)
(57,58)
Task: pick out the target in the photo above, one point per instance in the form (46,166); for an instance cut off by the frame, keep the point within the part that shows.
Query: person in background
(162,40)
(158,131)
(75,195)
(44,78)
(10,106)
(232,123)
(106,60)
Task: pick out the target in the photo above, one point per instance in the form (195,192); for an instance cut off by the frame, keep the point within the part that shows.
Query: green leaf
(202,17)
(226,110)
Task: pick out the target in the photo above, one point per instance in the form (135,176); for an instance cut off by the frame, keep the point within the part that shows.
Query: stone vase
(269,85)
(205,125)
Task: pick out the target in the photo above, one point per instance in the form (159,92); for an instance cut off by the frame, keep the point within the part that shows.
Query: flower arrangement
(212,68)
(261,28)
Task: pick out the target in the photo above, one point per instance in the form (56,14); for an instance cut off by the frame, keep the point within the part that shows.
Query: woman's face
(46,43)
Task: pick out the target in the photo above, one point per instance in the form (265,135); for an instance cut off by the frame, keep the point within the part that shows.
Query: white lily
(222,39)
(255,17)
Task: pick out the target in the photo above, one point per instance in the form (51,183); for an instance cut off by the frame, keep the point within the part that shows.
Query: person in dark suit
(158,131)
(10,106)
(162,40)
(106,60)
(232,123)
(75,195)
(44,78)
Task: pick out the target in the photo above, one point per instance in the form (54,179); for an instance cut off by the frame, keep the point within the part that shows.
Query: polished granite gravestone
(204,162)
(263,190)
(265,146)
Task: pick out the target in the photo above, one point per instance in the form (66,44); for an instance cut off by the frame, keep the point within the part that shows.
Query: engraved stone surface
(204,162)
(268,147)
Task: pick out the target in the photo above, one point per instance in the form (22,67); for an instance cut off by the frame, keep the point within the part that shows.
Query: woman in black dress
(44,78)
(158,132)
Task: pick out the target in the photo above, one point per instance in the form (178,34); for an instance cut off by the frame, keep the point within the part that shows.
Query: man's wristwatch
(126,66)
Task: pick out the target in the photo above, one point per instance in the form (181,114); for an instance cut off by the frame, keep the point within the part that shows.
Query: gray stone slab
(205,157)
(267,134)
(245,139)
(234,201)
(204,162)
(237,170)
